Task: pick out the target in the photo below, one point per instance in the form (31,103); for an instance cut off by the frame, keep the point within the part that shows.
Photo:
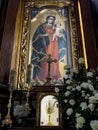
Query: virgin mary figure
(43,44)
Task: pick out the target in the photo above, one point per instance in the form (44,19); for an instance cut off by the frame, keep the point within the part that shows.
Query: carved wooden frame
(23,59)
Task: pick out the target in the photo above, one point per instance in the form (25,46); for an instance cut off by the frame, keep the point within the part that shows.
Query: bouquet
(79,99)
(20,111)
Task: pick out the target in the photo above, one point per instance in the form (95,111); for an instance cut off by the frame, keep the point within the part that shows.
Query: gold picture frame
(25,36)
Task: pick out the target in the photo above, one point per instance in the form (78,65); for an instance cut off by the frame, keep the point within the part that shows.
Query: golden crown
(52,12)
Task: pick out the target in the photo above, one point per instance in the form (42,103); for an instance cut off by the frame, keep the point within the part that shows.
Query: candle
(12,80)
(29,73)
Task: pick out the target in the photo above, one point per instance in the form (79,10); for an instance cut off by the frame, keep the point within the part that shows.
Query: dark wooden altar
(39,128)
(34,101)
(31,120)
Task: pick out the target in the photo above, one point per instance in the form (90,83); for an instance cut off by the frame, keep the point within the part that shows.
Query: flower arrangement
(20,111)
(79,99)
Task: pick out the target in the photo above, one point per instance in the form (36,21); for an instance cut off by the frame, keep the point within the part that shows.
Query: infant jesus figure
(58,31)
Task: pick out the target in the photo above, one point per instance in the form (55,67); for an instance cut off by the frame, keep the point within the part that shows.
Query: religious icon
(49,27)
(50,35)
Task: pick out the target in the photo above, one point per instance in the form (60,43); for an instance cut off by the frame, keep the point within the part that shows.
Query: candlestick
(7,120)
(27,99)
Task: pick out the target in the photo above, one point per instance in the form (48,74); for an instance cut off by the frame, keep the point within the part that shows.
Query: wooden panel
(92,55)
(8,40)
(3,9)
(4,96)
(94,6)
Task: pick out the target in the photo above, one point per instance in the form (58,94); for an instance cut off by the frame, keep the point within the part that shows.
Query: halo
(50,12)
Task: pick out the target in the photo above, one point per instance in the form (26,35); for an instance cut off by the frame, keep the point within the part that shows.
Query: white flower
(21,111)
(78,88)
(67,93)
(68,118)
(79,125)
(66,76)
(65,100)
(79,122)
(89,74)
(81,60)
(69,87)
(83,93)
(94,124)
(96,96)
(91,87)
(68,82)
(89,81)
(91,107)
(73,89)
(77,115)
(92,99)
(75,70)
(69,111)
(85,85)
(83,105)
(94,92)
(57,90)
(72,102)
(97,78)
(88,95)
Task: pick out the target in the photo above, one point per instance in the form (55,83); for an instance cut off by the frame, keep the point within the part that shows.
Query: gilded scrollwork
(74,36)
(41,3)
(24,45)
(24,48)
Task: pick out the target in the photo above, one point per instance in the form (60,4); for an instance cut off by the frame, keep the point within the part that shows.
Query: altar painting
(49,34)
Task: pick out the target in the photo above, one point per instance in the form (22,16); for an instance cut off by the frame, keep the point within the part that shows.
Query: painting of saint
(49,37)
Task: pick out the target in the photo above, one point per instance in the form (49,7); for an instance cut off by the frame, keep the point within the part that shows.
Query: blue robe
(39,44)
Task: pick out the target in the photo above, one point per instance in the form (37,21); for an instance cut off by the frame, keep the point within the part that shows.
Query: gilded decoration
(24,47)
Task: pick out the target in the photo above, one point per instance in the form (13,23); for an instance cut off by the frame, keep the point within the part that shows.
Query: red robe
(52,49)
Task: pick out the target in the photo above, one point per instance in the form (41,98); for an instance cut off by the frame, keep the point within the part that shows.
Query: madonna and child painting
(49,34)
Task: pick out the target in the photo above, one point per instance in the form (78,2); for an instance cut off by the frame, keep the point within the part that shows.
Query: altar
(45,51)
(33,120)
(43,114)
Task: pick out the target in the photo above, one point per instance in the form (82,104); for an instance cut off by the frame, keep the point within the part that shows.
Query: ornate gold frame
(23,59)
